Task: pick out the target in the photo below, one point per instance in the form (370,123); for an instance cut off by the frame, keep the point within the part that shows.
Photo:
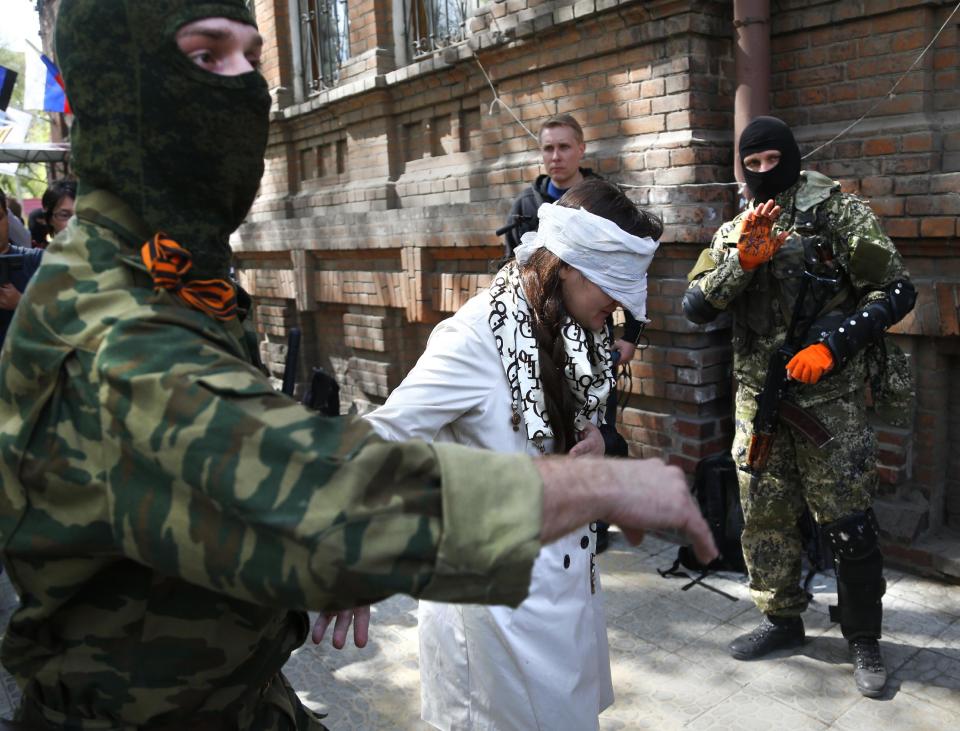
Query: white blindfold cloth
(604,253)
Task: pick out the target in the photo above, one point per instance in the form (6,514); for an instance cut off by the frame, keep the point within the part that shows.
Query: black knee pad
(860,584)
(853,536)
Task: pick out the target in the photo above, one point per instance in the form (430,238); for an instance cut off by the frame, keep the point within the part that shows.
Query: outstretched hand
(636,495)
(656,497)
(757,244)
(360,616)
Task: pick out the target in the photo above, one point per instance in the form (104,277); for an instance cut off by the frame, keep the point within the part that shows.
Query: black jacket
(18,277)
(525,207)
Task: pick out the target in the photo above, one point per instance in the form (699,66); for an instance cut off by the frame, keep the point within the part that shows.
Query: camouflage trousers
(834,481)
(276,709)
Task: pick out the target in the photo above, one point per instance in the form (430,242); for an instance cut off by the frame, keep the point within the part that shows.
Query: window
(435,24)
(471,130)
(324,42)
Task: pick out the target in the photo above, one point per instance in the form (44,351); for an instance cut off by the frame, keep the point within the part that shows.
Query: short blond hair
(562,120)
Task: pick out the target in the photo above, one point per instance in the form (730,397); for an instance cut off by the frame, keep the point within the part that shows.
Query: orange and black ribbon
(168,262)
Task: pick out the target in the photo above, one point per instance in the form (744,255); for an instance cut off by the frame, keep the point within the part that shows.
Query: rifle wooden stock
(768,411)
(759,453)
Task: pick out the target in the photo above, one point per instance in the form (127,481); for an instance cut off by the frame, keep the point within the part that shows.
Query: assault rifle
(9,263)
(518,221)
(323,395)
(290,362)
(772,404)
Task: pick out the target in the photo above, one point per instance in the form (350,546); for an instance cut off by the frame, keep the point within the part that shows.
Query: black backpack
(717,492)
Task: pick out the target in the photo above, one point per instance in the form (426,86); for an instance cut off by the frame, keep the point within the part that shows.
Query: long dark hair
(608,201)
(541,283)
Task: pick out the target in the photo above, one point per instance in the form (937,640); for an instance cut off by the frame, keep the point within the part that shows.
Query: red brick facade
(377,211)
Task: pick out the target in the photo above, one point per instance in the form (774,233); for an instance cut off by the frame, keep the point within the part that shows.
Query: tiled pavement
(670,670)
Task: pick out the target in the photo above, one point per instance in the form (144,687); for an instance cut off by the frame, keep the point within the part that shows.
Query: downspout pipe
(751,25)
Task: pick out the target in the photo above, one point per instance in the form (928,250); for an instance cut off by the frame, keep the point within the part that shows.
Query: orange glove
(757,244)
(809,365)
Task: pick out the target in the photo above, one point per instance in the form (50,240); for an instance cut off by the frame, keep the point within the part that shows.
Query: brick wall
(377,210)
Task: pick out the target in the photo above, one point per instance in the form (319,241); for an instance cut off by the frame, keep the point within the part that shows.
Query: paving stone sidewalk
(670,668)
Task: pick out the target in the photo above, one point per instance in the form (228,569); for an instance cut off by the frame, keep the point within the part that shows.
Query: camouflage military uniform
(166,517)
(163,508)
(839,479)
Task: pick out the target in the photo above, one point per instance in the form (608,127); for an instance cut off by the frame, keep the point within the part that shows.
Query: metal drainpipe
(751,22)
(296,51)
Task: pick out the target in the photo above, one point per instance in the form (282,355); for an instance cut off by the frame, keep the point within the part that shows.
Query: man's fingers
(320,628)
(705,548)
(341,627)
(700,536)
(634,536)
(361,626)
(769,209)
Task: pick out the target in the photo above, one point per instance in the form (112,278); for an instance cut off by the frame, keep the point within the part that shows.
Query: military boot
(869,672)
(773,633)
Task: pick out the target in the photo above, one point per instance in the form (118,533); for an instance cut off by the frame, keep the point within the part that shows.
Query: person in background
(19,235)
(58,205)
(39,231)
(805,259)
(14,207)
(562,148)
(15,273)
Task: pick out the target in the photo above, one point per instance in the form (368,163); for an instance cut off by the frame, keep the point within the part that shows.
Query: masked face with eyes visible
(770,158)
(171,115)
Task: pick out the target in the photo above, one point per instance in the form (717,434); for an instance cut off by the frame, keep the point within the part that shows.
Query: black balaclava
(181,146)
(769,133)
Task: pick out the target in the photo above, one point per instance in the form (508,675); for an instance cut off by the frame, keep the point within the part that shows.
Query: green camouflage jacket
(867,262)
(166,516)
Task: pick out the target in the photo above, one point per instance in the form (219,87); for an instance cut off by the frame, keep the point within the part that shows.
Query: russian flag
(44,88)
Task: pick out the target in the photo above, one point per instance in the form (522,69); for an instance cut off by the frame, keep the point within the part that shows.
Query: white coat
(546,664)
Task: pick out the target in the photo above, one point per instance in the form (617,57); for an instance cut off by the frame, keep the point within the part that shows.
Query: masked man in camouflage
(165,516)
(802,240)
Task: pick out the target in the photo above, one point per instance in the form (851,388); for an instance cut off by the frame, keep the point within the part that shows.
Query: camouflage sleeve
(718,273)
(871,259)
(216,478)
